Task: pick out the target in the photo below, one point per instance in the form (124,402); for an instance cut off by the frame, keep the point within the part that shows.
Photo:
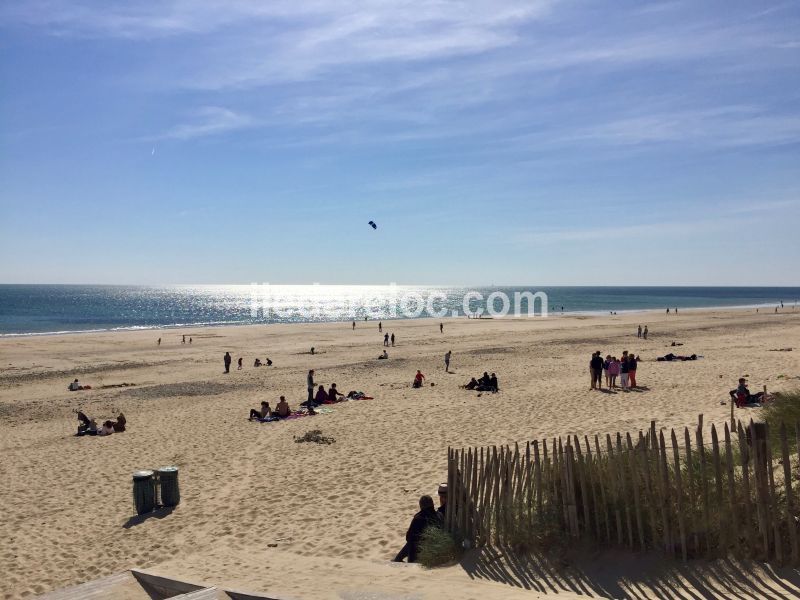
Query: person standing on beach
(239,364)
(386,339)
(392,338)
(310,385)
(441,327)
(639,333)
(644,333)
(159,341)
(183,340)
(380,326)
(227,359)
(447,361)
(596,370)
(354,325)
(190,341)
(624,367)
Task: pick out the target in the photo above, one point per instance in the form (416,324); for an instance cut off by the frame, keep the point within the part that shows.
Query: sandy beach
(323,521)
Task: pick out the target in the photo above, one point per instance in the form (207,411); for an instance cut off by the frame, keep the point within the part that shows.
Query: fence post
(723,531)
(773,503)
(678,483)
(635,483)
(758,435)
(787,478)
(734,525)
(703,483)
(744,452)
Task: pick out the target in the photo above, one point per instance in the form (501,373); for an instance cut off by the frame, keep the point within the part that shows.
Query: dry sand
(264,513)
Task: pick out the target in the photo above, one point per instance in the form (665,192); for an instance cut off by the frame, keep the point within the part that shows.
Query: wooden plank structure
(684,493)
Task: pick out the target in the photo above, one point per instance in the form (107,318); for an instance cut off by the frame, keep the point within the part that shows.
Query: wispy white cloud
(206,121)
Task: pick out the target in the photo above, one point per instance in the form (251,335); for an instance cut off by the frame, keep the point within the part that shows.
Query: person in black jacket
(596,371)
(426,517)
(228,360)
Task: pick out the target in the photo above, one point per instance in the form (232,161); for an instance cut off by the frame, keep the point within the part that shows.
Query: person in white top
(106,429)
(75,386)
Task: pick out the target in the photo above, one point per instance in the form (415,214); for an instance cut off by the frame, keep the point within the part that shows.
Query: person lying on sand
(259,415)
(86,426)
(107,428)
(426,517)
(670,357)
(119,424)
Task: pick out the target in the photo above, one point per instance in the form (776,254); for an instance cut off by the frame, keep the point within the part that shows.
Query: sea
(55,309)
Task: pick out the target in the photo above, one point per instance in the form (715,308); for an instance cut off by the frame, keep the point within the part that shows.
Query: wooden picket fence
(732,496)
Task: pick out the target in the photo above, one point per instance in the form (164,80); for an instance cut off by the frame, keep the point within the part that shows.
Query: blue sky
(531,142)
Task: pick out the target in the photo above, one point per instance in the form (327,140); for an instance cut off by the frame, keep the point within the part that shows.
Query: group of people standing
(610,368)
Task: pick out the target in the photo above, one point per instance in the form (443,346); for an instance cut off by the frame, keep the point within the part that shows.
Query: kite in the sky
(373,225)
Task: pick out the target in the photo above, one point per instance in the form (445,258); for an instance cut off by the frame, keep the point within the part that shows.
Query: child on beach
(418,379)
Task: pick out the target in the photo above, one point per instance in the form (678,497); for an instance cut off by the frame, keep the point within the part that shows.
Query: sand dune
(67,501)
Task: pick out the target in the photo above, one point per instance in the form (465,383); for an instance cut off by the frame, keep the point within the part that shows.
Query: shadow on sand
(159,513)
(617,574)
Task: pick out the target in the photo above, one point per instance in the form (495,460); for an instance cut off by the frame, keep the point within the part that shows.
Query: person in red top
(418,378)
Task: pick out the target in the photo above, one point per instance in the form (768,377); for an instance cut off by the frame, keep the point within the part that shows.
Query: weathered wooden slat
(774,516)
(719,500)
(537,478)
(633,469)
(569,485)
(747,511)
(758,438)
(733,537)
(703,485)
(690,518)
(665,490)
(585,493)
(592,469)
(615,493)
(601,479)
(624,487)
(791,527)
(679,490)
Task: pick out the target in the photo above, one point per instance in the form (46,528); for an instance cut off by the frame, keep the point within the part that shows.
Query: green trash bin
(170,492)
(144,492)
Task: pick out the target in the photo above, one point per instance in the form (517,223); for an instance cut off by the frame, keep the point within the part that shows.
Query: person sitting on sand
(282,409)
(333,394)
(741,395)
(442,501)
(493,385)
(384,356)
(257,362)
(418,379)
(269,362)
(473,383)
(426,517)
(75,386)
(107,428)
(322,396)
(119,424)
(260,415)
(86,426)
(484,380)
